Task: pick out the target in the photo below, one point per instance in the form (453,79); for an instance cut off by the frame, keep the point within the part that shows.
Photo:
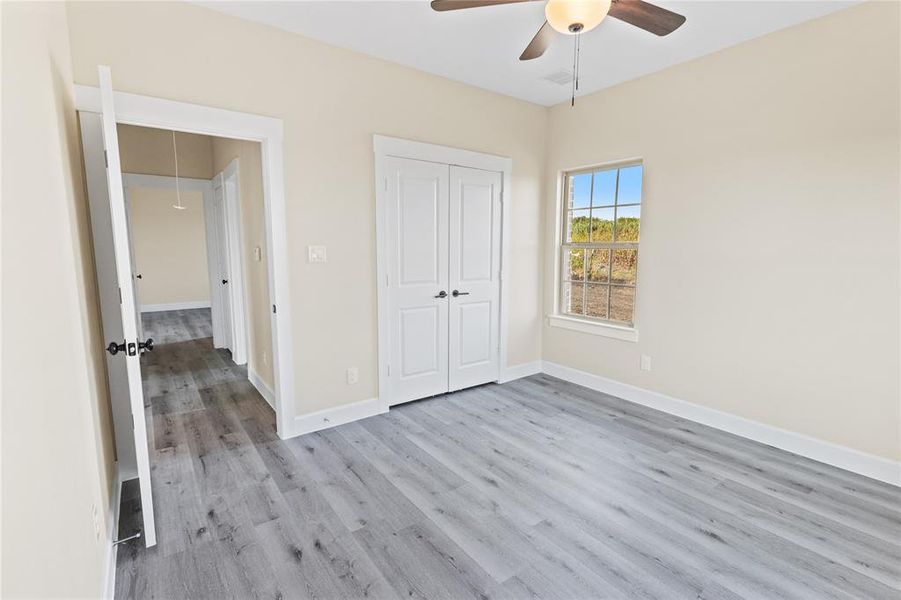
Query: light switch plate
(645,362)
(316,253)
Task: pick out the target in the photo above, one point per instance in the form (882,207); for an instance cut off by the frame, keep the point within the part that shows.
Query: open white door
(127,349)
(135,274)
(234,246)
(222,309)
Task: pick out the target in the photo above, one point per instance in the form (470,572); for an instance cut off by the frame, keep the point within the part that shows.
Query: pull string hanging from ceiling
(577,55)
(178,205)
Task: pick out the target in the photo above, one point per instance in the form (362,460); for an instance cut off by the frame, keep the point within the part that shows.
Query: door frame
(385,146)
(146,111)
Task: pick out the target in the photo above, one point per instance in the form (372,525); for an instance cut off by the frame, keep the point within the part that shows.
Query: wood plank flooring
(533,489)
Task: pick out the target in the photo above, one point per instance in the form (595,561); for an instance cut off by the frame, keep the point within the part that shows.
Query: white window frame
(583,323)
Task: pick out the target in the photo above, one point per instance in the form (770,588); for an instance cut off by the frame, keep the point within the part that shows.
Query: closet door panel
(417,227)
(474,276)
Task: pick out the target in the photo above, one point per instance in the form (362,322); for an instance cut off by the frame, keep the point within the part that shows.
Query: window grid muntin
(568,247)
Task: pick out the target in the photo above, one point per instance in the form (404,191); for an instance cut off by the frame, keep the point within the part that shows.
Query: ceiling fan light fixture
(576,16)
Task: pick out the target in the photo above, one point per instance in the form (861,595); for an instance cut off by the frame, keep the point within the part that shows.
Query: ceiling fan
(575,17)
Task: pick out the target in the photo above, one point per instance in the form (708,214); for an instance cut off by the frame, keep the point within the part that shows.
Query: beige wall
(57,444)
(150,151)
(769,262)
(253,229)
(329,119)
(169,246)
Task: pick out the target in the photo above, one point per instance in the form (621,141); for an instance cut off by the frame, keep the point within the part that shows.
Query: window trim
(583,323)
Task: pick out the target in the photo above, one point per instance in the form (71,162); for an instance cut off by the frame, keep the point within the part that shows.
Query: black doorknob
(115,348)
(441,294)
(146,345)
(224,281)
(455,293)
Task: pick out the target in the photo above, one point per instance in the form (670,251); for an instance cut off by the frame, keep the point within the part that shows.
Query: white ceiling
(481,46)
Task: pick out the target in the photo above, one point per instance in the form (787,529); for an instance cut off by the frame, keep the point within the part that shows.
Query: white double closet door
(443,244)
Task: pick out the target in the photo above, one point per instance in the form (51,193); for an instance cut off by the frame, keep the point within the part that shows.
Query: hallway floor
(533,489)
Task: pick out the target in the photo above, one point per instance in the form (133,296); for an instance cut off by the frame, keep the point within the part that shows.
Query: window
(601,218)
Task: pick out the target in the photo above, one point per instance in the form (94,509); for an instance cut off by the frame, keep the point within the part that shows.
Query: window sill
(617,332)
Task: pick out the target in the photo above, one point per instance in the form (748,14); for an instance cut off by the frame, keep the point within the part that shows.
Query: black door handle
(146,345)
(224,281)
(441,294)
(115,348)
(139,276)
(455,293)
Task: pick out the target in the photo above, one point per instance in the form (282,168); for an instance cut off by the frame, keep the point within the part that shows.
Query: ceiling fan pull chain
(573,100)
(577,54)
(578,58)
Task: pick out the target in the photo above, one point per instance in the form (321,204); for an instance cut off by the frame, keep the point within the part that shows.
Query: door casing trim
(147,111)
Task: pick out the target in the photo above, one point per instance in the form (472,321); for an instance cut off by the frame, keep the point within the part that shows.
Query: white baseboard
(112,528)
(264,390)
(332,417)
(519,371)
(842,457)
(175,306)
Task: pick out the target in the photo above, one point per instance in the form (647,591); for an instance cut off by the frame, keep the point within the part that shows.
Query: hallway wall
(149,151)
(169,248)
(256,273)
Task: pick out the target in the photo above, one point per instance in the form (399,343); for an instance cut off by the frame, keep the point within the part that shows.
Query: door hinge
(120,295)
(106,159)
(386,184)
(389,370)
(273,309)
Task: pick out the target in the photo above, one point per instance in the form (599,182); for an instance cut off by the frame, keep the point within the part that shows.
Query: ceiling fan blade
(539,43)
(442,5)
(646,16)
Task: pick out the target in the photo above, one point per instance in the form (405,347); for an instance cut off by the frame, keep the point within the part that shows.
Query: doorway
(187,242)
(440,256)
(102,112)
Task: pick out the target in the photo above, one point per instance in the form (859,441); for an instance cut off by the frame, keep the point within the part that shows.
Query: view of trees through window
(602,217)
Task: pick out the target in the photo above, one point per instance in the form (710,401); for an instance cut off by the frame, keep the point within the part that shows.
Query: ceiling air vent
(561,77)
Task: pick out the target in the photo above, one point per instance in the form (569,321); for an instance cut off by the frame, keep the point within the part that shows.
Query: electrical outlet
(645,362)
(353,375)
(95,514)
(257,253)
(316,254)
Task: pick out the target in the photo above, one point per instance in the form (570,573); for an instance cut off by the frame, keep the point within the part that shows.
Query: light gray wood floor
(533,489)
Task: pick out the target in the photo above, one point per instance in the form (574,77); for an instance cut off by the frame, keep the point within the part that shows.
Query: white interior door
(108,289)
(136,276)
(212,263)
(128,311)
(474,277)
(222,264)
(416,225)
(234,246)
